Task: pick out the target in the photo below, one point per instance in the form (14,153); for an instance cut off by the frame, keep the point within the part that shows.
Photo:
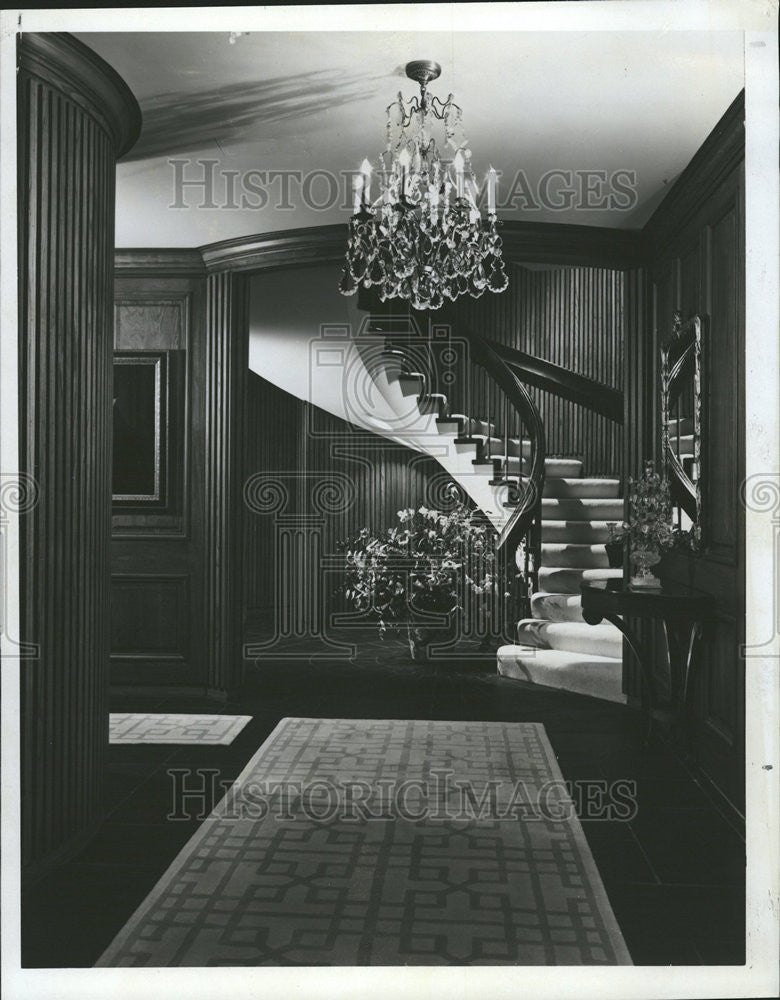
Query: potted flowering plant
(648,530)
(420,570)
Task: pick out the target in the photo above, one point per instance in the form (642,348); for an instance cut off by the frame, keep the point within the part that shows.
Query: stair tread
(596,573)
(573,627)
(559,546)
(557,502)
(580,480)
(558,656)
(579,522)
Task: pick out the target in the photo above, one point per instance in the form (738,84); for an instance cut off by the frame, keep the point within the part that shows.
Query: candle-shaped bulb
(357,192)
(365,169)
(458,164)
(491,191)
(433,194)
(403,159)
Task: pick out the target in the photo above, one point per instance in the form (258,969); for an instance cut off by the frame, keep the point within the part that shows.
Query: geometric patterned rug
(211,730)
(384,842)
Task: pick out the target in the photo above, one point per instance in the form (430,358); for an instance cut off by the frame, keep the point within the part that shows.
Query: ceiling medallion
(421,236)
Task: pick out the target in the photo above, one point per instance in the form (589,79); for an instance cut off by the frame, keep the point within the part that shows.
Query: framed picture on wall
(140,417)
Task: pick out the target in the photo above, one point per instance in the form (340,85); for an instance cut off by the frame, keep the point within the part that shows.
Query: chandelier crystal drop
(419,235)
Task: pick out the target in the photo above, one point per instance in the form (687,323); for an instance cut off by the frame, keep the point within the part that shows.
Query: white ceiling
(640,101)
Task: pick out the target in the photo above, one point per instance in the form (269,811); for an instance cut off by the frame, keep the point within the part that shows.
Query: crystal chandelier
(422,237)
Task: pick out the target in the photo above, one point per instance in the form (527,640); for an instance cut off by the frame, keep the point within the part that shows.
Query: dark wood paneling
(640,407)
(690,195)
(74,116)
(207,317)
(696,241)
(572,316)
(273,423)
(150,618)
(153,314)
(296,449)
(723,426)
(149,544)
(225,377)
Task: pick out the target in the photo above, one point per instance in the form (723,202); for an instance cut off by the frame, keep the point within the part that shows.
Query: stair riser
(473,426)
(599,678)
(592,489)
(685,425)
(582,510)
(567,580)
(579,556)
(584,532)
(554,468)
(573,637)
(557,607)
(435,404)
(410,386)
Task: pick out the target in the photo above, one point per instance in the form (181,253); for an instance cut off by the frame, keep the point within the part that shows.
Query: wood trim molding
(537,242)
(721,152)
(288,247)
(78,73)
(158,263)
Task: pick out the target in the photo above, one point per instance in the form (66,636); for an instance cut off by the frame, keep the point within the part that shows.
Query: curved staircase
(549,518)
(555,648)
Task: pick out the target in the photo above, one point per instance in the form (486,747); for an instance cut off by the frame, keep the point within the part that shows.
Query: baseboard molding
(160,690)
(172,690)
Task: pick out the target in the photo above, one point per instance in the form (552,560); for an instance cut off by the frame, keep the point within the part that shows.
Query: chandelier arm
(441,108)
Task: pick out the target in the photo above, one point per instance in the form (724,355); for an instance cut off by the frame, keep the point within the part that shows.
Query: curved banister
(677,370)
(685,493)
(527,510)
(556,379)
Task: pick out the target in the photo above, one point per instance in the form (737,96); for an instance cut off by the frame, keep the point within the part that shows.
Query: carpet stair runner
(556,648)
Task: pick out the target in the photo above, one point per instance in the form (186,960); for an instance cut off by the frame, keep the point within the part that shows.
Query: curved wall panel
(75,116)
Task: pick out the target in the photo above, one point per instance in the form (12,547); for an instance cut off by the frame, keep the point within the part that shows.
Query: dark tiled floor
(674,871)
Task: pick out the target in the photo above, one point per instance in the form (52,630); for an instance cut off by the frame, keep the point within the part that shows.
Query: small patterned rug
(373,842)
(209,730)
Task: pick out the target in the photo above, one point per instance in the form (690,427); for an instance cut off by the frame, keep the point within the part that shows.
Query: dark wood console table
(682,611)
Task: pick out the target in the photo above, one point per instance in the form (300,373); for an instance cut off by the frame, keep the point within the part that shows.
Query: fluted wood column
(75,116)
(226,375)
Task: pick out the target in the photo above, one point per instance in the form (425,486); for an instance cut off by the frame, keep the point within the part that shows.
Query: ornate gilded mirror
(682,422)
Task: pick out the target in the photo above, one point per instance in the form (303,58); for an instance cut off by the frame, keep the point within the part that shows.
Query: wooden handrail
(688,337)
(556,379)
(529,507)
